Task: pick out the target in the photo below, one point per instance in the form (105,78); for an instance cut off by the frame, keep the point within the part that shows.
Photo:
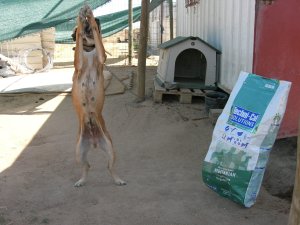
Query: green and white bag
(243,137)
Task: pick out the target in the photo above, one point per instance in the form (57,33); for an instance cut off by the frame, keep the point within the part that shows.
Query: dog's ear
(74,34)
(98,24)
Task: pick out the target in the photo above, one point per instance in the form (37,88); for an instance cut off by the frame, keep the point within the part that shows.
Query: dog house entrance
(190,67)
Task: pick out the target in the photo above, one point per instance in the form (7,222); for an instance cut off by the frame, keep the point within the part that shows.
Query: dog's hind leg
(107,146)
(82,149)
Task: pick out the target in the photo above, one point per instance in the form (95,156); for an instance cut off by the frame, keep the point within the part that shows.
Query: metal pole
(143,50)
(294,218)
(171,19)
(130,36)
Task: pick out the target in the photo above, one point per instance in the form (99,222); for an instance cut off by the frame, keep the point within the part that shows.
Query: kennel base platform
(185,94)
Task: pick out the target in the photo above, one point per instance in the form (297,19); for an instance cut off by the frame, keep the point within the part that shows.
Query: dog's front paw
(86,11)
(89,13)
(83,13)
(81,17)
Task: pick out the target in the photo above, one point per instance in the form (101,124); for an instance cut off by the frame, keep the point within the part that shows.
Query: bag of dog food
(243,137)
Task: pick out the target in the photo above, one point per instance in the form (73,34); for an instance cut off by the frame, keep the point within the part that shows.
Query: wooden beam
(161,20)
(143,50)
(171,19)
(130,33)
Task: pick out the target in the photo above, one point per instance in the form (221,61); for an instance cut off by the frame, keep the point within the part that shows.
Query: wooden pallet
(185,95)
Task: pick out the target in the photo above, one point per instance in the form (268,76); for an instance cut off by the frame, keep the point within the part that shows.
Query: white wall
(228,25)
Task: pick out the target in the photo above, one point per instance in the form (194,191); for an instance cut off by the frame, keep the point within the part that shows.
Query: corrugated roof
(180,39)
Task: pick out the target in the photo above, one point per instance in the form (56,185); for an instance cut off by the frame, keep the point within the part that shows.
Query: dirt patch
(160,150)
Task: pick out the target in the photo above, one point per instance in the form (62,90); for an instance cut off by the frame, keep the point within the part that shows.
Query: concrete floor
(160,149)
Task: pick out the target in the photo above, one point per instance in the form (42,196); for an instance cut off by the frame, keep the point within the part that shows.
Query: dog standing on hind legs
(88,94)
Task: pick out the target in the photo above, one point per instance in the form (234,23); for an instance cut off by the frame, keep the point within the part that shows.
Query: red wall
(277,53)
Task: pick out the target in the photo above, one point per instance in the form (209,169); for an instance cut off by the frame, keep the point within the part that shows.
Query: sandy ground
(160,150)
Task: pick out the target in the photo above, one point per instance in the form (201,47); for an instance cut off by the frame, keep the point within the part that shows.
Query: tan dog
(88,94)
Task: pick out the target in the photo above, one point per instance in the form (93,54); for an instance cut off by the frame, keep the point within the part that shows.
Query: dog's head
(88,37)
